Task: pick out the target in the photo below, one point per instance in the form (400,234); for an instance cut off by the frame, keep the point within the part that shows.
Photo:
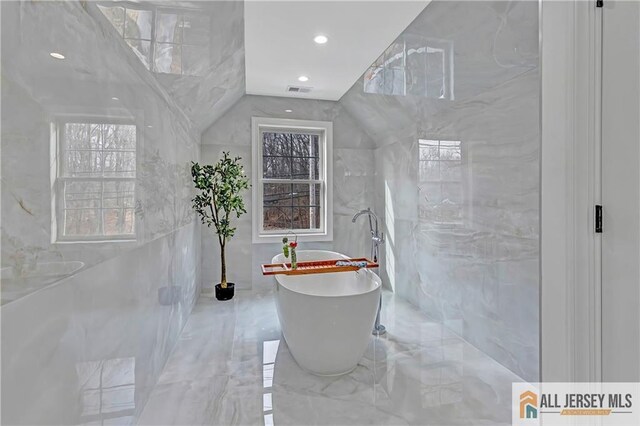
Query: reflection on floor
(232,367)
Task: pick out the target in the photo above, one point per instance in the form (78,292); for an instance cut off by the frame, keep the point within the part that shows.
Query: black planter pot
(225,293)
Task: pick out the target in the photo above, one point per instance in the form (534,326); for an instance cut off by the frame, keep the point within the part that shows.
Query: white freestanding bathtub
(327,319)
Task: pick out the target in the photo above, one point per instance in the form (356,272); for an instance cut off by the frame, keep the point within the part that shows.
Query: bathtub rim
(375,277)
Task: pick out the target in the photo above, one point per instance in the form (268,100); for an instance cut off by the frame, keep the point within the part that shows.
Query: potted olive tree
(219,197)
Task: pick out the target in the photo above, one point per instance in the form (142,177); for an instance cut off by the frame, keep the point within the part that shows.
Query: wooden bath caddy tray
(314,267)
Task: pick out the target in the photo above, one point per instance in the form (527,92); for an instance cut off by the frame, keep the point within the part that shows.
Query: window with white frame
(166,40)
(440,177)
(95,180)
(415,66)
(291,179)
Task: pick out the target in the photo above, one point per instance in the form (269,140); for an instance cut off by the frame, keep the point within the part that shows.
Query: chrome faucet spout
(370,214)
(377,237)
(360,213)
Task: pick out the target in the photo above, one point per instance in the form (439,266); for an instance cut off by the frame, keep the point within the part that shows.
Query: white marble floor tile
(231,366)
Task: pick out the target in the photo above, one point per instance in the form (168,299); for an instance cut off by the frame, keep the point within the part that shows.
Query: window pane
(292,206)
(77,136)
(277,194)
(119,221)
(450,153)
(290,155)
(276,144)
(168,59)
(435,77)
(306,194)
(450,171)
(83,163)
(169,28)
(119,136)
(119,164)
(305,168)
(413,65)
(276,167)
(441,175)
(290,144)
(84,222)
(287,194)
(395,80)
(119,194)
(83,136)
(275,218)
(82,195)
(88,203)
(95,150)
(169,41)
(304,145)
(429,152)
(138,24)
(306,218)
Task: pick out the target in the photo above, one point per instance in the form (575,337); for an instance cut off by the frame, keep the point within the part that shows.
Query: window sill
(96,242)
(277,238)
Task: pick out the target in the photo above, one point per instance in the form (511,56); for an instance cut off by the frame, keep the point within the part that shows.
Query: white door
(621,191)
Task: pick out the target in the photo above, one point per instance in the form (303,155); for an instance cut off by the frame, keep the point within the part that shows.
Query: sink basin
(16,284)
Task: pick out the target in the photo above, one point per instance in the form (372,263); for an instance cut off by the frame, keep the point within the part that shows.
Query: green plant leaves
(220,189)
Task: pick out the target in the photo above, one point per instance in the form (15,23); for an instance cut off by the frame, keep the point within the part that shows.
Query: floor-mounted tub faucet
(377,238)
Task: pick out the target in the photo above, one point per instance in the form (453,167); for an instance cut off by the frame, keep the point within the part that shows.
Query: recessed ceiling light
(288,110)
(303,78)
(149,126)
(320,39)
(56,55)
(115,99)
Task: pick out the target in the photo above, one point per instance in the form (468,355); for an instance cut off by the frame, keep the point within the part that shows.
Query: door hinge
(599,3)
(598,220)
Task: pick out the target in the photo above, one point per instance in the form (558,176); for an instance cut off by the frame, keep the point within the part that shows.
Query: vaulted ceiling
(280,47)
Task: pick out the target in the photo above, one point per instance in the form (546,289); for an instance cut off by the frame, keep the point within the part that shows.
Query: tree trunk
(223,264)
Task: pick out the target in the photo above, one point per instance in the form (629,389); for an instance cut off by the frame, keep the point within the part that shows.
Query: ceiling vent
(298,89)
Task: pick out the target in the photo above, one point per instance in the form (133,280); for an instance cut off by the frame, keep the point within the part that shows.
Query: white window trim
(56,148)
(326,178)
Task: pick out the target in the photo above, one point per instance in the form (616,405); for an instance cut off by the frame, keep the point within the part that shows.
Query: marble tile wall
(353,182)
(90,348)
(463,235)
(87,326)
(206,76)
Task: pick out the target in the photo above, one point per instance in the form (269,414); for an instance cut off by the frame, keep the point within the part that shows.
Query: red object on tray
(314,267)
